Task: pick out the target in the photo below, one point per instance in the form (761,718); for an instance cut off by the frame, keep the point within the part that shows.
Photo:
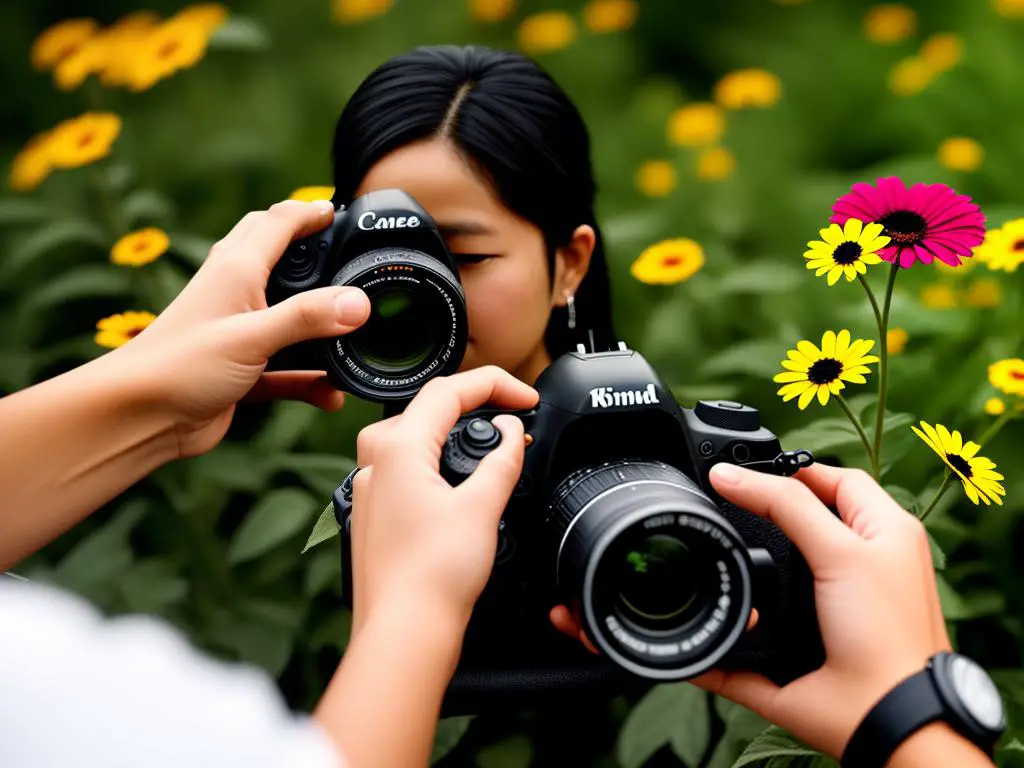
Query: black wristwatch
(952,689)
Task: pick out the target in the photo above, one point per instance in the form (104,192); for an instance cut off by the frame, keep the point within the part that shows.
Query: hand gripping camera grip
(466,447)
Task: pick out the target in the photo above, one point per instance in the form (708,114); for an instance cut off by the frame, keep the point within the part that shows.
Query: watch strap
(911,705)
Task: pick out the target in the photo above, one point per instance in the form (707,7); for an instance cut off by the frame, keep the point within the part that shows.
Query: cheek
(509,307)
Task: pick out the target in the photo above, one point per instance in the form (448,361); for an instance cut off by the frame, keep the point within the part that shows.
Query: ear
(572,261)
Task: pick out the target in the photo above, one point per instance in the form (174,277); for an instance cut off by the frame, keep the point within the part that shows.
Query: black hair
(516,127)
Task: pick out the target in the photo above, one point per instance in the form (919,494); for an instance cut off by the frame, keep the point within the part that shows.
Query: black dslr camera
(387,245)
(614,514)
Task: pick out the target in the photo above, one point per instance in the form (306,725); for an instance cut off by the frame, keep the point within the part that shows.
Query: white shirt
(80,690)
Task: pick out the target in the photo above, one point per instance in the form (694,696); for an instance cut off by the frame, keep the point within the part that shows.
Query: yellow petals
(1010,9)
(61,40)
(889,23)
(117,330)
(603,16)
(938,296)
(84,139)
(846,251)
(1007,376)
(746,88)
(977,474)
(696,124)
(140,248)
(985,292)
(358,11)
(668,262)
(811,372)
(656,178)
(546,32)
(942,51)
(491,10)
(961,154)
(311,194)
(171,46)
(1003,247)
(31,165)
(715,164)
(910,76)
(994,406)
(207,16)
(896,340)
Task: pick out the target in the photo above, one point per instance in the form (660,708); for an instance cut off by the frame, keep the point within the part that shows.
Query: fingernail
(727,473)
(351,306)
(326,206)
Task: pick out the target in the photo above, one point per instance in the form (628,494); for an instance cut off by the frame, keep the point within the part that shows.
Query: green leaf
(741,727)
(322,473)
(775,743)
(903,497)
(957,607)
(192,248)
(240,33)
(761,277)
(759,357)
(153,586)
(448,734)
(146,206)
(257,642)
(938,556)
(57,235)
(15,211)
(161,283)
(822,436)
(323,570)
(274,519)
(85,282)
(99,561)
(232,467)
(513,752)
(326,528)
(675,713)
(287,424)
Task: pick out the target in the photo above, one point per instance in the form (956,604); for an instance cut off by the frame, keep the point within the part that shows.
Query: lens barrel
(663,580)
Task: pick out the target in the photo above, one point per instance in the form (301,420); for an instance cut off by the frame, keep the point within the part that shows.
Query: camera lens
(663,579)
(401,331)
(417,327)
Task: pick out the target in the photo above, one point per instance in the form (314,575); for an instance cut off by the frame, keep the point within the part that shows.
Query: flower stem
(883,365)
(874,304)
(943,487)
(998,424)
(860,431)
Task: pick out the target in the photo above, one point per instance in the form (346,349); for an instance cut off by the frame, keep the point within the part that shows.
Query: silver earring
(570,304)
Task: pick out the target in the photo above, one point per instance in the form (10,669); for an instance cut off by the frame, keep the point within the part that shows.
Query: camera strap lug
(787,463)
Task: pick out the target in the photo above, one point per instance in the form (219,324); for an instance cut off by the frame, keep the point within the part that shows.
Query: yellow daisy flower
(171,46)
(1010,9)
(358,11)
(311,194)
(896,340)
(978,475)
(942,51)
(985,292)
(116,330)
(491,10)
(668,262)
(58,42)
(938,296)
(695,125)
(961,154)
(715,164)
(140,248)
(994,406)
(846,250)
(208,16)
(656,178)
(32,164)
(748,88)
(889,23)
(84,139)
(1007,376)
(1003,248)
(546,32)
(824,372)
(910,76)
(601,16)
(125,41)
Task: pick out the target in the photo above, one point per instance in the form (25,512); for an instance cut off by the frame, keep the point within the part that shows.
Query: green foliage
(228,546)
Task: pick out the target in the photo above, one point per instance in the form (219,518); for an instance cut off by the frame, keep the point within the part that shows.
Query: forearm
(70,444)
(937,746)
(382,706)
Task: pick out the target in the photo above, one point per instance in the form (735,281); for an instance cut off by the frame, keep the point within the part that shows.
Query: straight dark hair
(520,131)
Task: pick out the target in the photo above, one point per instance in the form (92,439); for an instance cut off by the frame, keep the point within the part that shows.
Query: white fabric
(80,690)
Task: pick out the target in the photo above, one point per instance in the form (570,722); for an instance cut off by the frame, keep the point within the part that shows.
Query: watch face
(977,692)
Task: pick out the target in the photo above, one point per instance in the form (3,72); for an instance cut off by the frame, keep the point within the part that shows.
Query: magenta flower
(924,223)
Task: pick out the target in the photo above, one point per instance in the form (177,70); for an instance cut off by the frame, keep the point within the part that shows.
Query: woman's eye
(472,258)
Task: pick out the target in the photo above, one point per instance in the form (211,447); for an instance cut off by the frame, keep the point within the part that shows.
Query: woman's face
(501,257)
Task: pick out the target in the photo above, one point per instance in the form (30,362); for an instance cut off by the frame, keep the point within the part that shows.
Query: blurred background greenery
(735,124)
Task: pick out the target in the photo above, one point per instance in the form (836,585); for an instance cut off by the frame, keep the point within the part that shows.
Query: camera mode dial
(466,447)
(725,414)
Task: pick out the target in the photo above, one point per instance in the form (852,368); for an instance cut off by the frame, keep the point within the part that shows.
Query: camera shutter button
(479,437)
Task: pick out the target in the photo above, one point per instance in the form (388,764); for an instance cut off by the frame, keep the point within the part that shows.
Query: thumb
(491,484)
(316,314)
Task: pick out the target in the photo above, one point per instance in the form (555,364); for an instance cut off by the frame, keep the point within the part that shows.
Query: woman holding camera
(498,156)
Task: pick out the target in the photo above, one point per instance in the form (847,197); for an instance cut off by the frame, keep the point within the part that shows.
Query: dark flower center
(671,261)
(86,139)
(959,463)
(846,253)
(131,334)
(1019,245)
(168,49)
(140,246)
(1018,375)
(824,371)
(906,228)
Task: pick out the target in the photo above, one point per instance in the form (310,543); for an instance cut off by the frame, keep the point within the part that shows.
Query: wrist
(937,744)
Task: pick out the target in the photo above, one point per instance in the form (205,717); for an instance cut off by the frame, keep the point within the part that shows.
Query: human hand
(874,588)
(416,541)
(208,349)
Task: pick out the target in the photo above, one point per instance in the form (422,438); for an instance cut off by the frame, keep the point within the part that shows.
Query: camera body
(614,514)
(386,244)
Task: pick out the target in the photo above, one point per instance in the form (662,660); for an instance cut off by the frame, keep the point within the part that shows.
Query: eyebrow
(453,228)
